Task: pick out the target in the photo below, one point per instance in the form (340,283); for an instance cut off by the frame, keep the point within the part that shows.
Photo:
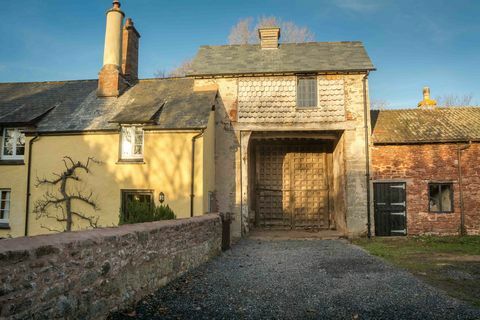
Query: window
(132,142)
(306,92)
(135,196)
(4,205)
(13,144)
(441,197)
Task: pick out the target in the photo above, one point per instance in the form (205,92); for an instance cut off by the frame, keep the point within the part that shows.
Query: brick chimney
(130,44)
(269,37)
(110,80)
(427,103)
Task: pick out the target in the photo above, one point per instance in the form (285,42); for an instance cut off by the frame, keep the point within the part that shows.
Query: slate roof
(288,58)
(426,125)
(70,106)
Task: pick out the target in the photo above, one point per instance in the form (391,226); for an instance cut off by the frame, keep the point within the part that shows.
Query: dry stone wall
(84,275)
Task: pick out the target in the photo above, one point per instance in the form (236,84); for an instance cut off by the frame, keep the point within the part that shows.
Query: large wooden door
(292,186)
(390,209)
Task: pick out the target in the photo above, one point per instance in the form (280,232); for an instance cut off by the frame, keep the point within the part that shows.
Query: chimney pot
(130,44)
(269,37)
(110,80)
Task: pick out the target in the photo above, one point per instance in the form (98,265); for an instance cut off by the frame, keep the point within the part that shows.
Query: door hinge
(398,213)
(402,186)
(404,231)
(398,203)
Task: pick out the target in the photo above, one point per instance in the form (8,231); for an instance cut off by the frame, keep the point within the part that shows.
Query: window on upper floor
(306,92)
(4,205)
(440,197)
(13,144)
(132,143)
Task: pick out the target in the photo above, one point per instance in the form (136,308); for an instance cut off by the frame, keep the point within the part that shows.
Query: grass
(450,263)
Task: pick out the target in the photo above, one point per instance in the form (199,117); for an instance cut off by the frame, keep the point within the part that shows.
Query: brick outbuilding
(426,173)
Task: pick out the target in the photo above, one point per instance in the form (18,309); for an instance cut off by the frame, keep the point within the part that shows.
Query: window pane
(127,141)
(307,92)
(20,143)
(446,198)
(434,197)
(9,142)
(4,204)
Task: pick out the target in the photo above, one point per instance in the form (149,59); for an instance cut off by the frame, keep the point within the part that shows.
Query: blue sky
(412,43)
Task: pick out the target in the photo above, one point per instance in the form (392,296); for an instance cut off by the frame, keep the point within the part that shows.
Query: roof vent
(269,37)
(427,103)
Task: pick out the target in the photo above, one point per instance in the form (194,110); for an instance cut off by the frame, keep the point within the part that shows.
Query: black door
(390,209)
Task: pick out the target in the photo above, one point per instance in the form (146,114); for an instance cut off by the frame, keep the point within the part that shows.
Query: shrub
(139,212)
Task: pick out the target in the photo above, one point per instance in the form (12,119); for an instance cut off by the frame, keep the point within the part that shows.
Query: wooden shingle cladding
(274,100)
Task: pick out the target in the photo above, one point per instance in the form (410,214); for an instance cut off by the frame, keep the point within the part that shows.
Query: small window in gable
(306,92)
(13,144)
(132,142)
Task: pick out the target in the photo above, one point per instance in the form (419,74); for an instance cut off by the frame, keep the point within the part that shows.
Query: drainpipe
(29,170)
(367,153)
(192,185)
(460,185)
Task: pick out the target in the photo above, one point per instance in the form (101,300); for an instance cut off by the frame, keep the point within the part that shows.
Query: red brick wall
(419,164)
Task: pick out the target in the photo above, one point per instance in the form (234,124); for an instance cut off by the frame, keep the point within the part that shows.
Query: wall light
(161,197)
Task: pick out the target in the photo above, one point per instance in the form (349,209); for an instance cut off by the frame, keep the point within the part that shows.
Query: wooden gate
(292,186)
(390,209)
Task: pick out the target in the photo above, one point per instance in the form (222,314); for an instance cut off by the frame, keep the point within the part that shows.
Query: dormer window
(132,143)
(306,92)
(13,144)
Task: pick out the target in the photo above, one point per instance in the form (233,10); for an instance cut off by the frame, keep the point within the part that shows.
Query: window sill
(130,161)
(307,108)
(441,212)
(4,225)
(4,162)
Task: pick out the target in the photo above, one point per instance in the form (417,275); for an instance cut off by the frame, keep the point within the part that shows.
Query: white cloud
(360,6)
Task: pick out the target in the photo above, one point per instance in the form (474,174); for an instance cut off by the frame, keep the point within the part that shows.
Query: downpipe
(29,171)
(192,181)
(460,185)
(367,155)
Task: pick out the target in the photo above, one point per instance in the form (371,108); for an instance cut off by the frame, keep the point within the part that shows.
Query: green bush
(139,212)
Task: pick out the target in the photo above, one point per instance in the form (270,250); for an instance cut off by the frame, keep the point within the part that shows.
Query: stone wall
(84,275)
(419,164)
(268,103)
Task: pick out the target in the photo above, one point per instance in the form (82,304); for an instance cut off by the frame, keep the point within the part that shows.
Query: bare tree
(378,104)
(161,73)
(240,33)
(453,100)
(65,198)
(245,32)
(182,69)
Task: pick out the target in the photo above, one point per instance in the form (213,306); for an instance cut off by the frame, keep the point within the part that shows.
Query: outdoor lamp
(161,197)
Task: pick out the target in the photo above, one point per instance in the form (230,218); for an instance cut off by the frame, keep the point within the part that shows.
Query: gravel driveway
(317,279)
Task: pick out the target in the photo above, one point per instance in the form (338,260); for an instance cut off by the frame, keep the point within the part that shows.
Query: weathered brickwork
(273,99)
(84,275)
(419,164)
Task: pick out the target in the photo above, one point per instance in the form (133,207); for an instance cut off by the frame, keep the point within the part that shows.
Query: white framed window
(13,144)
(4,205)
(132,142)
